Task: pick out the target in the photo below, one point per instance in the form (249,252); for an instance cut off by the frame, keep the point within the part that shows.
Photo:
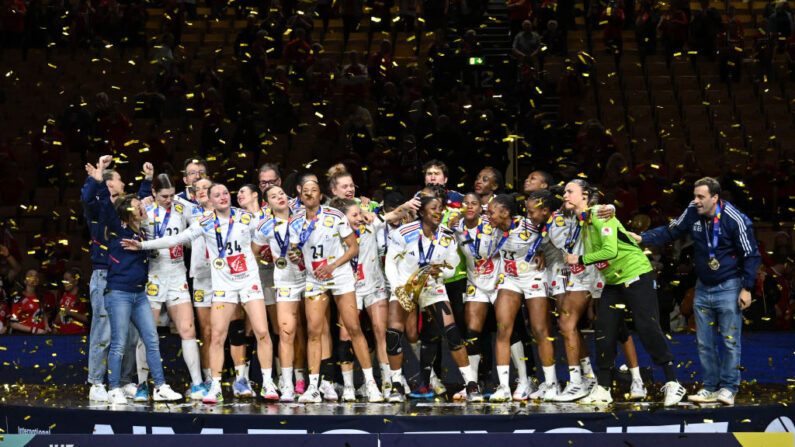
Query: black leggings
(641,298)
(431,335)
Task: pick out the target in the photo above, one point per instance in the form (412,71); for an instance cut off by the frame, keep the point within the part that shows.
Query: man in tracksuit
(726,258)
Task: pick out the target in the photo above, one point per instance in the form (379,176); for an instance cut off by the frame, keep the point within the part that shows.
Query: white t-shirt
(324,244)
(168,261)
(294,275)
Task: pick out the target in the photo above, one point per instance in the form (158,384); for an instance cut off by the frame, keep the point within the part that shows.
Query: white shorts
(266,279)
(249,290)
(589,280)
(340,283)
(286,294)
(532,284)
(202,291)
(432,294)
(479,294)
(168,289)
(556,279)
(363,301)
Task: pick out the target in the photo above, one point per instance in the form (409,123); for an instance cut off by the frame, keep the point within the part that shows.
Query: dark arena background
(640,97)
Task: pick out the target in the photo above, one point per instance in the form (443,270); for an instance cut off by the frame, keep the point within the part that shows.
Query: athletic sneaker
(473,393)
(437,386)
(521,392)
(374,393)
(501,394)
(361,392)
(311,396)
(116,397)
(398,395)
(164,393)
(328,391)
(300,386)
(386,388)
(268,391)
(460,395)
(572,392)
(197,391)
(213,395)
(725,396)
(142,392)
(241,388)
(97,393)
(421,392)
(348,394)
(637,390)
(673,392)
(129,390)
(703,396)
(590,382)
(287,392)
(546,391)
(598,395)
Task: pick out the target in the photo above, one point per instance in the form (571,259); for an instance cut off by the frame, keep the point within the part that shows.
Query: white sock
(368,375)
(575,374)
(433,374)
(207,374)
(585,364)
(190,353)
(550,376)
(474,364)
(299,374)
(503,373)
(518,357)
(466,373)
(314,379)
(287,376)
(347,378)
(216,383)
(267,375)
(140,362)
(240,371)
(397,375)
(635,373)
(385,378)
(415,348)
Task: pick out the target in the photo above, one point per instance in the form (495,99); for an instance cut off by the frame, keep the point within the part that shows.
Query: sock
(299,374)
(549,374)
(503,373)
(466,373)
(585,364)
(474,363)
(287,376)
(347,378)
(207,374)
(415,348)
(385,373)
(216,383)
(245,368)
(517,355)
(140,362)
(314,379)
(635,373)
(397,375)
(240,371)
(575,374)
(668,369)
(190,353)
(267,375)
(368,375)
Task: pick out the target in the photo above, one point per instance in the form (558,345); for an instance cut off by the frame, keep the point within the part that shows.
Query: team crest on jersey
(328,221)
(198,296)
(245,218)
(152,289)
(178,207)
(559,221)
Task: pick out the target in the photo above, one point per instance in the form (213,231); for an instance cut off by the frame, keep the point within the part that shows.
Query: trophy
(409,294)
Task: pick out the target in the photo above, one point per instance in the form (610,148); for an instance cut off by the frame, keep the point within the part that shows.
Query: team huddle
(426,269)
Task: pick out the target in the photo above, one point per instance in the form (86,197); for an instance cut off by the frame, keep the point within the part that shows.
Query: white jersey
(266,258)
(403,257)
(520,240)
(161,222)
(561,232)
(368,273)
(480,248)
(294,275)
(329,227)
(239,266)
(199,257)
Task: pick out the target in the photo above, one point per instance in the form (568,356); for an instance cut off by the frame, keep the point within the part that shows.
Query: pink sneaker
(300,386)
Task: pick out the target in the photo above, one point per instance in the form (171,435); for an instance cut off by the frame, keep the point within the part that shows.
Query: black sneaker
(473,393)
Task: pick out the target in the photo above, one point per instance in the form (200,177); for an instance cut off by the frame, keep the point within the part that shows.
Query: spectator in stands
(358,127)
(324,9)
(572,91)
(298,55)
(646,20)
(174,19)
(519,12)
(72,317)
(29,309)
(380,18)
(275,24)
(303,21)
(407,22)
(470,46)
(9,266)
(115,128)
(730,52)
(554,39)
(613,19)
(246,37)
(674,29)
(354,78)
(781,24)
(526,43)
(351,17)
(763,51)
(546,13)
(164,53)
(704,28)
(380,68)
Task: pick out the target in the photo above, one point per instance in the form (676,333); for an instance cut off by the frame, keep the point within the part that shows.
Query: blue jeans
(125,308)
(99,337)
(716,307)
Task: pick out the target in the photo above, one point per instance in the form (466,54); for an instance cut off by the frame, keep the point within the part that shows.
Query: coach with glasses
(726,259)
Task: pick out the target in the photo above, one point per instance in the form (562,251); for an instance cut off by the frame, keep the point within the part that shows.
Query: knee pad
(345,352)
(473,342)
(393,341)
(237,332)
(453,337)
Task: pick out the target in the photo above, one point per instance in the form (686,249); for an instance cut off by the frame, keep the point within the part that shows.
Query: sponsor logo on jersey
(178,207)
(284,292)
(245,218)
(219,293)
(237,264)
(176,252)
(607,231)
(198,296)
(471,291)
(152,289)
(524,235)
(445,241)
(560,221)
(328,221)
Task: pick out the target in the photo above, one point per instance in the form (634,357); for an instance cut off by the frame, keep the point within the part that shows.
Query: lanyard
(221,243)
(574,232)
(539,239)
(355,259)
(160,228)
(475,246)
(712,242)
(426,259)
(501,242)
(308,228)
(282,243)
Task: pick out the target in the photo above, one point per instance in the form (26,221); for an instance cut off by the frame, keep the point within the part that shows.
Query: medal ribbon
(712,243)
(355,260)
(282,243)
(475,246)
(217,225)
(574,233)
(308,228)
(426,259)
(539,239)
(160,228)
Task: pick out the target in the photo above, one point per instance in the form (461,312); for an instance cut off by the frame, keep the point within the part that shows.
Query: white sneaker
(546,391)
(268,391)
(703,396)
(327,389)
(637,390)
(386,388)
(311,396)
(599,395)
(214,395)
(725,396)
(349,394)
(437,386)
(97,393)
(165,393)
(116,397)
(590,382)
(501,394)
(361,392)
(129,390)
(521,392)
(374,393)
(461,395)
(572,392)
(673,392)
(287,392)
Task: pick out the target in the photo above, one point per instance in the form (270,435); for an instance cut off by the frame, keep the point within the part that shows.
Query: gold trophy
(409,294)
